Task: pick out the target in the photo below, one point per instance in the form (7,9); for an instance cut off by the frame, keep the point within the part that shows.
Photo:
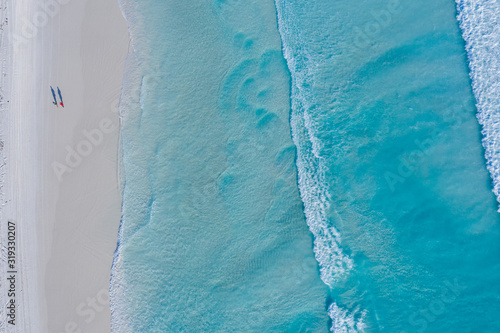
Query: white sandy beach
(62,181)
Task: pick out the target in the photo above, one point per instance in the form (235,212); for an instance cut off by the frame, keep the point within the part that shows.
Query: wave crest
(480,25)
(334,264)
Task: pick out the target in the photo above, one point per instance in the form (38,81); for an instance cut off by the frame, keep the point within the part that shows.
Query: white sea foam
(334,264)
(345,321)
(480,24)
(120,316)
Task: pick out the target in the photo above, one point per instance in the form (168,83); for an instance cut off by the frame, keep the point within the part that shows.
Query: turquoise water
(214,237)
(480,30)
(297,166)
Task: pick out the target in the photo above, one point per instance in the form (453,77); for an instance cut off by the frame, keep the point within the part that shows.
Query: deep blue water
(296,166)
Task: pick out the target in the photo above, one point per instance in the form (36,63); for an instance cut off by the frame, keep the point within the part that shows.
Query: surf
(481,33)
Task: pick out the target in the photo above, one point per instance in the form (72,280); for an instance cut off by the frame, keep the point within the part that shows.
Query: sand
(62,179)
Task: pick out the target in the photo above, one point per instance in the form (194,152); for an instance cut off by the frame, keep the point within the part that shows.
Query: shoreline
(67,221)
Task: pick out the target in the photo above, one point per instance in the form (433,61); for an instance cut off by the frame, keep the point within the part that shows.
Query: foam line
(480,24)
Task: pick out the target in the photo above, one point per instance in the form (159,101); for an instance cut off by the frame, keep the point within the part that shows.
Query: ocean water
(480,30)
(213,237)
(315,166)
(385,125)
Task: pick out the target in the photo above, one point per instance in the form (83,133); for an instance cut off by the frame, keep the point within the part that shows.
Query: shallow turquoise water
(259,136)
(214,236)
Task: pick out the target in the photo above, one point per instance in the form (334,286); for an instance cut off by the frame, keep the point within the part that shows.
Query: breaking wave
(480,25)
(333,262)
